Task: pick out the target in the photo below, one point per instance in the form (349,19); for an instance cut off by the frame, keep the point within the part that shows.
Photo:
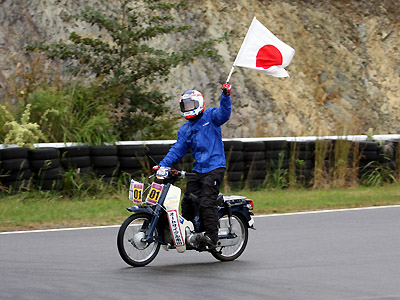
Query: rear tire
(229,253)
(132,249)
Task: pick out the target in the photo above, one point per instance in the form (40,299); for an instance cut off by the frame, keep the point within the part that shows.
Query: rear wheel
(131,243)
(239,228)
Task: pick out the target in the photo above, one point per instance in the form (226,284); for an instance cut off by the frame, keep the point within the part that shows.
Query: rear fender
(238,210)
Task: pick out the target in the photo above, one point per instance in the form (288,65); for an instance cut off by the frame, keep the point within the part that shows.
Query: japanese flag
(263,51)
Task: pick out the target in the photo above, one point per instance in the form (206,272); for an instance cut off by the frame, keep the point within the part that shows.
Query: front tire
(229,253)
(131,246)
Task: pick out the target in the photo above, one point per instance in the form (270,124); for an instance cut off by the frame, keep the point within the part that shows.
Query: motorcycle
(156,222)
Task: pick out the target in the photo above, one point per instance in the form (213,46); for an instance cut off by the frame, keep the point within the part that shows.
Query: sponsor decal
(175,228)
(171,200)
(206,124)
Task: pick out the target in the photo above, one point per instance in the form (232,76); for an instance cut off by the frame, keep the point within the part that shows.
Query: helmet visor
(188,105)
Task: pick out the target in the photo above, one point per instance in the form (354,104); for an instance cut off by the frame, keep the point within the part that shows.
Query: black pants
(206,187)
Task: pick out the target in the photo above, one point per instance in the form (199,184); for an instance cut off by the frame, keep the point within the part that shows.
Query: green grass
(38,210)
(293,200)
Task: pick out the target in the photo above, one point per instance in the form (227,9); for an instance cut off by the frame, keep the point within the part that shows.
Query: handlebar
(173,173)
(183,174)
(177,173)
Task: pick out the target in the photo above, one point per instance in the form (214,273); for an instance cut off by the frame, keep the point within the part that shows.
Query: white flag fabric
(262,50)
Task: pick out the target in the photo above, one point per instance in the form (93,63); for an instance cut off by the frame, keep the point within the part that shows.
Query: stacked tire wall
(46,168)
(132,161)
(277,160)
(15,169)
(105,162)
(76,158)
(368,158)
(255,164)
(250,163)
(302,158)
(235,166)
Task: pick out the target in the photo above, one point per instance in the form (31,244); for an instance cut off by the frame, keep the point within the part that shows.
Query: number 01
(137,194)
(154,194)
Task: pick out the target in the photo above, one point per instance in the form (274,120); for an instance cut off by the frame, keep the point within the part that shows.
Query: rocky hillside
(345,76)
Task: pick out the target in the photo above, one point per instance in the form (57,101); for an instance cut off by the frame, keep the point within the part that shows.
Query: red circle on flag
(268,56)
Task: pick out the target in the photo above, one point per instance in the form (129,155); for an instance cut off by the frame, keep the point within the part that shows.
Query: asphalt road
(332,255)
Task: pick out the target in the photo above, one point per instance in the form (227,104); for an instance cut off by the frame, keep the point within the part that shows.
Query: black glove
(226,88)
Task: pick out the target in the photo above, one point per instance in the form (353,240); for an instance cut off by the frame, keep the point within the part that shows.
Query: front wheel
(131,243)
(229,253)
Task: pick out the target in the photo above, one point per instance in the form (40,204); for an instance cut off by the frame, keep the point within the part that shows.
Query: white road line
(328,211)
(256,216)
(60,229)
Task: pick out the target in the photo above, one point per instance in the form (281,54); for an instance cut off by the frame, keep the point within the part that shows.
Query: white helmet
(191,103)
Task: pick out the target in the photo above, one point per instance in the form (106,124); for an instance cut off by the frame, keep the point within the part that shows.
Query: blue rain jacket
(203,136)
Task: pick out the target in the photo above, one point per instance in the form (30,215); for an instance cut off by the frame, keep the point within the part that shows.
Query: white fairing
(172,200)
(176,222)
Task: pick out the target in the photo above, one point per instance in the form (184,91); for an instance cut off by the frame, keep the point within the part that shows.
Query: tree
(125,61)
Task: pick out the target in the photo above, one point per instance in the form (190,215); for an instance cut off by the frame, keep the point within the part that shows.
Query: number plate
(136,192)
(154,194)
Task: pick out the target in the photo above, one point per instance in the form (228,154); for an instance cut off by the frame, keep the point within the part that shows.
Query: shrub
(72,114)
(22,132)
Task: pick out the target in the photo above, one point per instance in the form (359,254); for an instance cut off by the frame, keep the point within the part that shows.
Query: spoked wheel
(131,243)
(229,253)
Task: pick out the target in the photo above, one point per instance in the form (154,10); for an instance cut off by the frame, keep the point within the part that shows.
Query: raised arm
(223,112)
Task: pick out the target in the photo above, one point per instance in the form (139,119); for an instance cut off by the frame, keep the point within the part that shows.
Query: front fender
(156,221)
(141,209)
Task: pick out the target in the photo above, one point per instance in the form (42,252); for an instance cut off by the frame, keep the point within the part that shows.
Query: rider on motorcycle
(202,134)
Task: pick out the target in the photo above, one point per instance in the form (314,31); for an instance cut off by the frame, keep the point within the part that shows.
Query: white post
(230,74)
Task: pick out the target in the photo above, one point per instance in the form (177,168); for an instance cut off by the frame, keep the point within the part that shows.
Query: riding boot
(210,221)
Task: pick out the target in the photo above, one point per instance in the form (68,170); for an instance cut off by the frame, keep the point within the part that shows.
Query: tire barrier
(234,177)
(277,154)
(15,169)
(131,160)
(250,164)
(77,161)
(277,162)
(45,165)
(105,163)
(369,158)
(255,163)
(387,155)
(302,158)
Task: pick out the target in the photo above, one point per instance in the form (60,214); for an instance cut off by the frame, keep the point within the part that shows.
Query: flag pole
(230,74)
